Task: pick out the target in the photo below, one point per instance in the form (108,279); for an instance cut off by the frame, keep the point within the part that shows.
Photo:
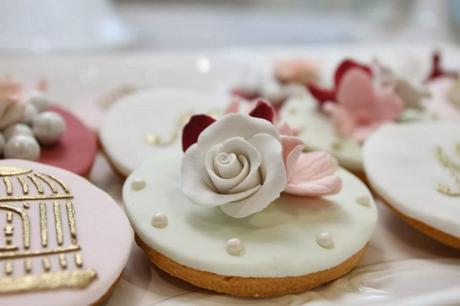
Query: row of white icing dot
(235,246)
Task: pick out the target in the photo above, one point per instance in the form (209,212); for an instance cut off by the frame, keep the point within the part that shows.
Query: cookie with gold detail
(415,168)
(62,241)
(248,213)
(142,124)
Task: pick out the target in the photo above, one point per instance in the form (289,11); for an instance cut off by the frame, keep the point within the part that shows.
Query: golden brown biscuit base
(106,295)
(250,286)
(426,229)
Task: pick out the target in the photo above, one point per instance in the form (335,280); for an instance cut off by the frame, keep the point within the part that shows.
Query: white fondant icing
(159,220)
(325,240)
(154,111)
(318,133)
(279,241)
(235,247)
(48,127)
(22,147)
(363,200)
(138,184)
(17,129)
(402,167)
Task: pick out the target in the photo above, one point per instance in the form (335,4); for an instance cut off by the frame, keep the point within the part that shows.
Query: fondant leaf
(263,110)
(194,128)
(437,70)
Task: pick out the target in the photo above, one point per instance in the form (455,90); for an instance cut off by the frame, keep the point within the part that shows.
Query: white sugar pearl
(235,247)
(137,184)
(22,147)
(325,240)
(363,200)
(17,129)
(159,220)
(30,112)
(39,100)
(48,127)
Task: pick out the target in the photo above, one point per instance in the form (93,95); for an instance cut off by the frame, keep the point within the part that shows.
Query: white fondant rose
(237,164)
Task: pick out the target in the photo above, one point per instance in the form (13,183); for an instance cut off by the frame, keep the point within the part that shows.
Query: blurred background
(42,26)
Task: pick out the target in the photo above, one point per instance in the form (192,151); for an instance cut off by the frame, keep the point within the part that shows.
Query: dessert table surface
(401,266)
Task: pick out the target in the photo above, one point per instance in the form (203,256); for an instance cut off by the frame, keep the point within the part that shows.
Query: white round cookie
(318,132)
(403,166)
(142,124)
(294,236)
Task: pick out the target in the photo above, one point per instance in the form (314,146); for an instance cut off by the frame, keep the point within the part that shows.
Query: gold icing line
(36,183)
(43,252)
(9,186)
(47,182)
(9,216)
(8,230)
(10,171)
(7,248)
(8,267)
(71,219)
(28,265)
(43,224)
(25,223)
(78,260)
(25,187)
(61,183)
(58,222)
(48,281)
(35,198)
(453,168)
(62,261)
(46,264)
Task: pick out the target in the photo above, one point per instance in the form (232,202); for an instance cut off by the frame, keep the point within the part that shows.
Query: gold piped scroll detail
(71,220)
(49,202)
(156,140)
(47,181)
(10,171)
(25,187)
(58,222)
(77,279)
(61,183)
(43,224)
(454,170)
(36,183)
(9,186)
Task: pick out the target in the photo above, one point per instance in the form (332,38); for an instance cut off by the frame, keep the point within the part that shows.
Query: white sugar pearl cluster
(38,126)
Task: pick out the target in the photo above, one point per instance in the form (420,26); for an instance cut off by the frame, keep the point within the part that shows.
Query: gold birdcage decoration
(40,248)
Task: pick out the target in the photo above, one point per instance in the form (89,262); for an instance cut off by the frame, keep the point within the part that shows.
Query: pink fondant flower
(362,107)
(323,95)
(11,108)
(241,163)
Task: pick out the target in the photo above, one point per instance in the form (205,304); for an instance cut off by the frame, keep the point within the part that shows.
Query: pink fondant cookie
(415,168)
(248,213)
(63,241)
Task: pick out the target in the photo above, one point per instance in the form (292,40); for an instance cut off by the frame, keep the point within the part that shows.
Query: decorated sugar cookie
(63,241)
(276,82)
(415,168)
(361,99)
(34,129)
(245,212)
(141,125)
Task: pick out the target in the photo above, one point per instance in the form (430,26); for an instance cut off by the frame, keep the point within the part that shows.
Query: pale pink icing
(361,106)
(103,232)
